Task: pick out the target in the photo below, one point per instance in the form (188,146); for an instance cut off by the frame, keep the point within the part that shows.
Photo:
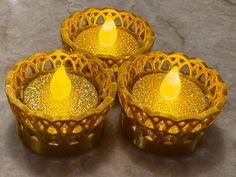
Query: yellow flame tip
(60,85)
(171,85)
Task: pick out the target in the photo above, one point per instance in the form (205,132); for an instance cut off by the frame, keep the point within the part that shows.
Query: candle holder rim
(12,97)
(175,118)
(75,47)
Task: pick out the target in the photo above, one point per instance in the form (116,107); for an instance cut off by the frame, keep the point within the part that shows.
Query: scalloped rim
(134,101)
(73,45)
(77,118)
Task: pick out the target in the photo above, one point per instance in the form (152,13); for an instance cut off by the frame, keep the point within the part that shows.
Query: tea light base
(163,143)
(161,132)
(87,142)
(66,134)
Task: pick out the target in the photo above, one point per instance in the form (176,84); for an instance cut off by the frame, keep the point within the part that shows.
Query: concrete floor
(204,29)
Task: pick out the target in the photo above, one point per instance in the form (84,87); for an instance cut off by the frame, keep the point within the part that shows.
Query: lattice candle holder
(82,32)
(48,125)
(168,126)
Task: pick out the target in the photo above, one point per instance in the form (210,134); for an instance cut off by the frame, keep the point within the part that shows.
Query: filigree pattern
(167,129)
(80,21)
(67,132)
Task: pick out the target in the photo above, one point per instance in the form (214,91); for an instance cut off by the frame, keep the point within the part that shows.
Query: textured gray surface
(204,28)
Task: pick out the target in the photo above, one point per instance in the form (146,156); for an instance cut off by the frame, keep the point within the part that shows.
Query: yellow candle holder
(80,32)
(62,135)
(159,132)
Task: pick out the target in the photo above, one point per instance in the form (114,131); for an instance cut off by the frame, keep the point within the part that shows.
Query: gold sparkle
(83,96)
(88,40)
(188,103)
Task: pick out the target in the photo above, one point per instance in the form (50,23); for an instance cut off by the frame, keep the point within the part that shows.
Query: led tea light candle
(109,34)
(60,101)
(169,93)
(169,101)
(60,94)
(107,40)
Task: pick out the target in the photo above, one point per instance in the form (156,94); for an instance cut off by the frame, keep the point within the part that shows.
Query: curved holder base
(161,143)
(87,142)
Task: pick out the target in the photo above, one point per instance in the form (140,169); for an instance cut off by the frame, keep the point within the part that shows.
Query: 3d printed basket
(67,135)
(79,22)
(156,131)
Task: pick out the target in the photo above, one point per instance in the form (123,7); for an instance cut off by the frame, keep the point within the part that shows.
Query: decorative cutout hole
(74,143)
(148,123)
(202,78)
(156,64)
(149,138)
(174,130)
(142,36)
(172,58)
(207,101)
(39,66)
(53,143)
(186,128)
(117,21)
(62,57)
(84,22)
(147,67)
(197,128)
(35,138)
(185,70)
(213,90)
(86,70)
(58,63)
(40,126)
(21,93)
(77,129)
(182,123)
(68,64)
(132,27)
(18,80)
(30,70)
(100,20)
(72,29)
(125,23)
(52,130)
(92,20)
(48,65)
(54,57)
(161,126)
(91,135)
(64,129)
(194,72)
(165,65)
(28,123)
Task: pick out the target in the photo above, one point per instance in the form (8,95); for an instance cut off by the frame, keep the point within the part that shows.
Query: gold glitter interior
(125,44)
(38,97)
(188,103)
